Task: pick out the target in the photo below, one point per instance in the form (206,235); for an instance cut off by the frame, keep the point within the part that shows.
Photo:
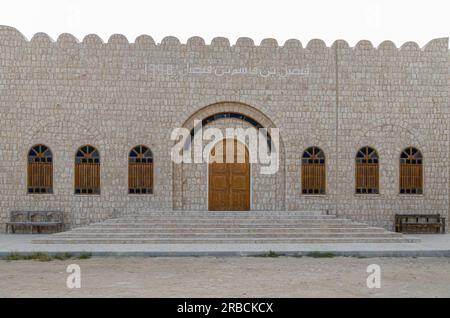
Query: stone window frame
(88,157)
(313,158)
(144,161)
(40,170)
(407,154)
(367,162)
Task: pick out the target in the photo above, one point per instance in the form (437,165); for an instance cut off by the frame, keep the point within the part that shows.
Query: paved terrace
(430,245)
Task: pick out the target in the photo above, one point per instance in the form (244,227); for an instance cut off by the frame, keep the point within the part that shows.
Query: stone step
(227,221)
(217,219)
(227,227)
(217,227)
(229,214)
(230,230)
(225,235)
(232,213)
(137,226)
(226,241)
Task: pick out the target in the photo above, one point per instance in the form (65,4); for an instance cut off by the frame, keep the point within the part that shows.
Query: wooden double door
(229,180)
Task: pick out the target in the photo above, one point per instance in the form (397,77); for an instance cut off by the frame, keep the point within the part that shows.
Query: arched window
(40,170)
(367,171)
(411,172)
(140,170)
(87,170)
(313,171)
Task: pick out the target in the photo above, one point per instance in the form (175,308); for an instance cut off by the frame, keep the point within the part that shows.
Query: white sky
(351,20)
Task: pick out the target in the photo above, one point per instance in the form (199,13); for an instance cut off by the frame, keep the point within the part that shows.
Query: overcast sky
(351,20)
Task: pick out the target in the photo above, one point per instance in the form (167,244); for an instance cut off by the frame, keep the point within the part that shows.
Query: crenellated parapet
(12,37)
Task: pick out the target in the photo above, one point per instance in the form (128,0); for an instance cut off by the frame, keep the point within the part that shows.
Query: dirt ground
(227,277)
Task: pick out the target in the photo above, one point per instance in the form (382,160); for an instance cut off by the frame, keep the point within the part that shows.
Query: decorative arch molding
(308,141)
(249,115)
(229,107)
(66,122)
(230,115)
(224,115)
(398,131)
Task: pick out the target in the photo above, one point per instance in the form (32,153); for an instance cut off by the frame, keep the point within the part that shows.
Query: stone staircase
(211,227)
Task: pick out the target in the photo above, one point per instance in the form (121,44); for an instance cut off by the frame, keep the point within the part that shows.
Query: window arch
(87,170)
(313,171)
(367,171)
(40,170)
(411,171)
(140,170)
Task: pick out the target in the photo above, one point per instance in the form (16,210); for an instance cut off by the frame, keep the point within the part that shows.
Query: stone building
(86,126)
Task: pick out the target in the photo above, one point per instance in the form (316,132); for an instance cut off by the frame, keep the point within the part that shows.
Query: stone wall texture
(116,95)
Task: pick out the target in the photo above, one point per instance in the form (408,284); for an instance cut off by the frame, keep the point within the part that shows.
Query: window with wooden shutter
(313,171)
(40,170)
(367,171)
(87,171)
(140,170)
(411,171)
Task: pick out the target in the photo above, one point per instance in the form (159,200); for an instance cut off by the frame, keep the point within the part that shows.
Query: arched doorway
(229,177)
(190,180)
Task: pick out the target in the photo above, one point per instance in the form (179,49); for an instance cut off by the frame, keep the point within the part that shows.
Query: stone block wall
(115,95)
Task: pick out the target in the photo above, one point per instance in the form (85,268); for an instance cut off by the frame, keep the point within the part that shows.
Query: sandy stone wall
(115,95)
(390,99)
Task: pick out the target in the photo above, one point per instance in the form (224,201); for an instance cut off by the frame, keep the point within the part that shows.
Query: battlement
(10,36)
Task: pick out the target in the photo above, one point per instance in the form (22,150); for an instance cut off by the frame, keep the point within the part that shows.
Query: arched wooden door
(229,180)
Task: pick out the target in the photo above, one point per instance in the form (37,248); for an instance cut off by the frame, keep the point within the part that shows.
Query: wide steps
(192,224)
(211,227)
(224,235)
(209,214)
(271,229)
(227,221)
(222,217)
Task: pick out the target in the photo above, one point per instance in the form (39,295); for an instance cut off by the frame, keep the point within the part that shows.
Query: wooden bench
(419,223)
(35,219)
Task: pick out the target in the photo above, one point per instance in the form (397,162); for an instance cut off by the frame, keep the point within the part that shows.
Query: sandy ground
(227,277)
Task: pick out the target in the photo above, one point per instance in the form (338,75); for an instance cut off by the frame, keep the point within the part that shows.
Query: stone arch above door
(229,107)
(182,174)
